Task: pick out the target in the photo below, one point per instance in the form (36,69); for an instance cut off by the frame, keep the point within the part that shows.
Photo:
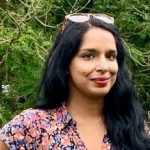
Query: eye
(112,56)
(88,56)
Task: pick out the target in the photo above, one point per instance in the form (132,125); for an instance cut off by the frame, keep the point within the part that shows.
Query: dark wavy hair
(123,114)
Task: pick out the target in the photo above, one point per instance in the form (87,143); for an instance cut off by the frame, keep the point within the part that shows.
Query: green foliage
(27,31)
(23,46)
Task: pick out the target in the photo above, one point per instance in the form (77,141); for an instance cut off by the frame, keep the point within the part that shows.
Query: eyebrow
(88,49)
(113,51)
(94,50)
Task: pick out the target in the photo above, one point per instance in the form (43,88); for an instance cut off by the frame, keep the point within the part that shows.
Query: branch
(69,3)
(64,10)
(137,10)
(30,11)
(45,25)
(148,69)
(16,23)
(2,59)
(130,53)
(5,41)
(72,10)
(39,54)
(83,6)
(24,3)
(141,85)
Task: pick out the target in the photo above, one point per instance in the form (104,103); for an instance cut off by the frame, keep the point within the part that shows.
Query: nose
(102,65)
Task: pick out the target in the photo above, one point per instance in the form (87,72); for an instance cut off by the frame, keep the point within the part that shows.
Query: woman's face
(93,70)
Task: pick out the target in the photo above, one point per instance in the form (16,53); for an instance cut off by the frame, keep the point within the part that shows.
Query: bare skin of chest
(92,135)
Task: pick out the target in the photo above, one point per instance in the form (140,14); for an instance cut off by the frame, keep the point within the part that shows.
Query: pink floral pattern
(36,129)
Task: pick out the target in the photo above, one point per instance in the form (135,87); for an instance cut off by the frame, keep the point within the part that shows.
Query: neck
(85,107)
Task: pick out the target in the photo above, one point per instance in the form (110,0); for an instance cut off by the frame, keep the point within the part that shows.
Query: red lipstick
(100,81)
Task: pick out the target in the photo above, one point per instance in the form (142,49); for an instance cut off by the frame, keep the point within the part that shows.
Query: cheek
(114,72)
(80,69)
(113,67)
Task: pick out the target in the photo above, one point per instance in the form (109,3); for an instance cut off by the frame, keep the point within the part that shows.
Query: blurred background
(27,31)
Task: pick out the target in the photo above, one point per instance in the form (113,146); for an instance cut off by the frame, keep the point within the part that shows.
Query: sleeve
(16,133)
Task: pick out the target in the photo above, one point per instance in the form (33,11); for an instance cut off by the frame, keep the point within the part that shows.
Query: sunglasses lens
(79,18)
(105,18)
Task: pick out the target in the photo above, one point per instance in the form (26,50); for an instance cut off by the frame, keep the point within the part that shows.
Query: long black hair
(123,114)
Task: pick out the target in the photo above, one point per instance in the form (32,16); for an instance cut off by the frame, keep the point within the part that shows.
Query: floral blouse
(53,129)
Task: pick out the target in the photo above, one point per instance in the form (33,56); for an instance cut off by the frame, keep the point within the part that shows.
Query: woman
(87,98)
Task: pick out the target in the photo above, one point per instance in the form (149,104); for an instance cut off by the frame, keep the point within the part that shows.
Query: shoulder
(3,146)
(28,127)
(31,118)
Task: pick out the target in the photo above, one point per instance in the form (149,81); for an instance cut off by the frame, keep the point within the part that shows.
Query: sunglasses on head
(83,17)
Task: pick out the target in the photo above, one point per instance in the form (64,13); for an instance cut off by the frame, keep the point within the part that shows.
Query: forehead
(98,38)
(98,33)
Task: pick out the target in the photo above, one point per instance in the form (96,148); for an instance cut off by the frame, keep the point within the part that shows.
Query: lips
(100,81)
(100,78)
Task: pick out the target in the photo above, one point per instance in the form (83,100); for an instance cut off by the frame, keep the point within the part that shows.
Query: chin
(98,94)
